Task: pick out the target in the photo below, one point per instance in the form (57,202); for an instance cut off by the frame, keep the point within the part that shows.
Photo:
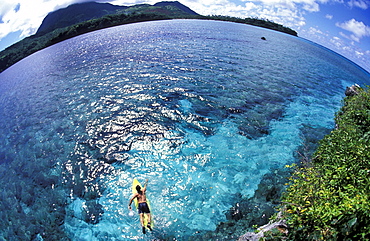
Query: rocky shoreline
(249,213)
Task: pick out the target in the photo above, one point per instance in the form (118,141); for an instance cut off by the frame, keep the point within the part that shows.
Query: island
(86,17)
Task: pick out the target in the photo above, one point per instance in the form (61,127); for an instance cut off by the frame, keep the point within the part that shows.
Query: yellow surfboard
(135,182)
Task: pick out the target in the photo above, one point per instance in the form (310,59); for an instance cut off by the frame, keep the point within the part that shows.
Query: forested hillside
(62,24)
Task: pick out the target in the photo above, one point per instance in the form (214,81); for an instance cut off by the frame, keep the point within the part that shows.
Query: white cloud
(315,34)
(337,42)
(250,6)
(359,3)
(359,29)
(345,35)
(313,30)
(26,16)
(219,7)
(359,54)
(308,5)
(290,13)
(287,12)
(6,6)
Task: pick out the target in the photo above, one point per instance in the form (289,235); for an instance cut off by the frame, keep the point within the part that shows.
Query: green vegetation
(34,43)
(137,13)
(76,13)
(329,198)
(255,22)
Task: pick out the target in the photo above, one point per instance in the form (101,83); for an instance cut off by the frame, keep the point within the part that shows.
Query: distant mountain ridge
(86,17)
(80,12)
(76,13)
(177,4)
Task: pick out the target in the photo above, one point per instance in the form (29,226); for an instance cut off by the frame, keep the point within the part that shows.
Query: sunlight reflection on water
(203,116)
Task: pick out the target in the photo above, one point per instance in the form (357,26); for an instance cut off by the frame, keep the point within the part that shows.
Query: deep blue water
(203,109)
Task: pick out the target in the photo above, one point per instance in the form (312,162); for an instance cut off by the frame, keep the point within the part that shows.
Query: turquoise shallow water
(203,109)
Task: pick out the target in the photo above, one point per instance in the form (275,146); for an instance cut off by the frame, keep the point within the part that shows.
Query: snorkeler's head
(138,189)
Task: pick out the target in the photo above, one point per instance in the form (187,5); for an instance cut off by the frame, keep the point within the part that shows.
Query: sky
(340,25)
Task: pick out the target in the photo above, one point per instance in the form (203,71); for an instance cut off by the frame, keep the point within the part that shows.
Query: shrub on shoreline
(329,198)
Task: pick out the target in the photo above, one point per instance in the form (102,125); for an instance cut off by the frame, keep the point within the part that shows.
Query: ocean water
(203,109)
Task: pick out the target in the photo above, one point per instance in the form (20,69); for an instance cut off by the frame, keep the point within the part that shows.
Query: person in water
(143,207)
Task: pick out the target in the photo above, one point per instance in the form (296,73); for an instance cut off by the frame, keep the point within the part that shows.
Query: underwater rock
(269,189)
(45,180)
(255,210)
(352,90)
(92,212)
(253,132)
(263,38)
